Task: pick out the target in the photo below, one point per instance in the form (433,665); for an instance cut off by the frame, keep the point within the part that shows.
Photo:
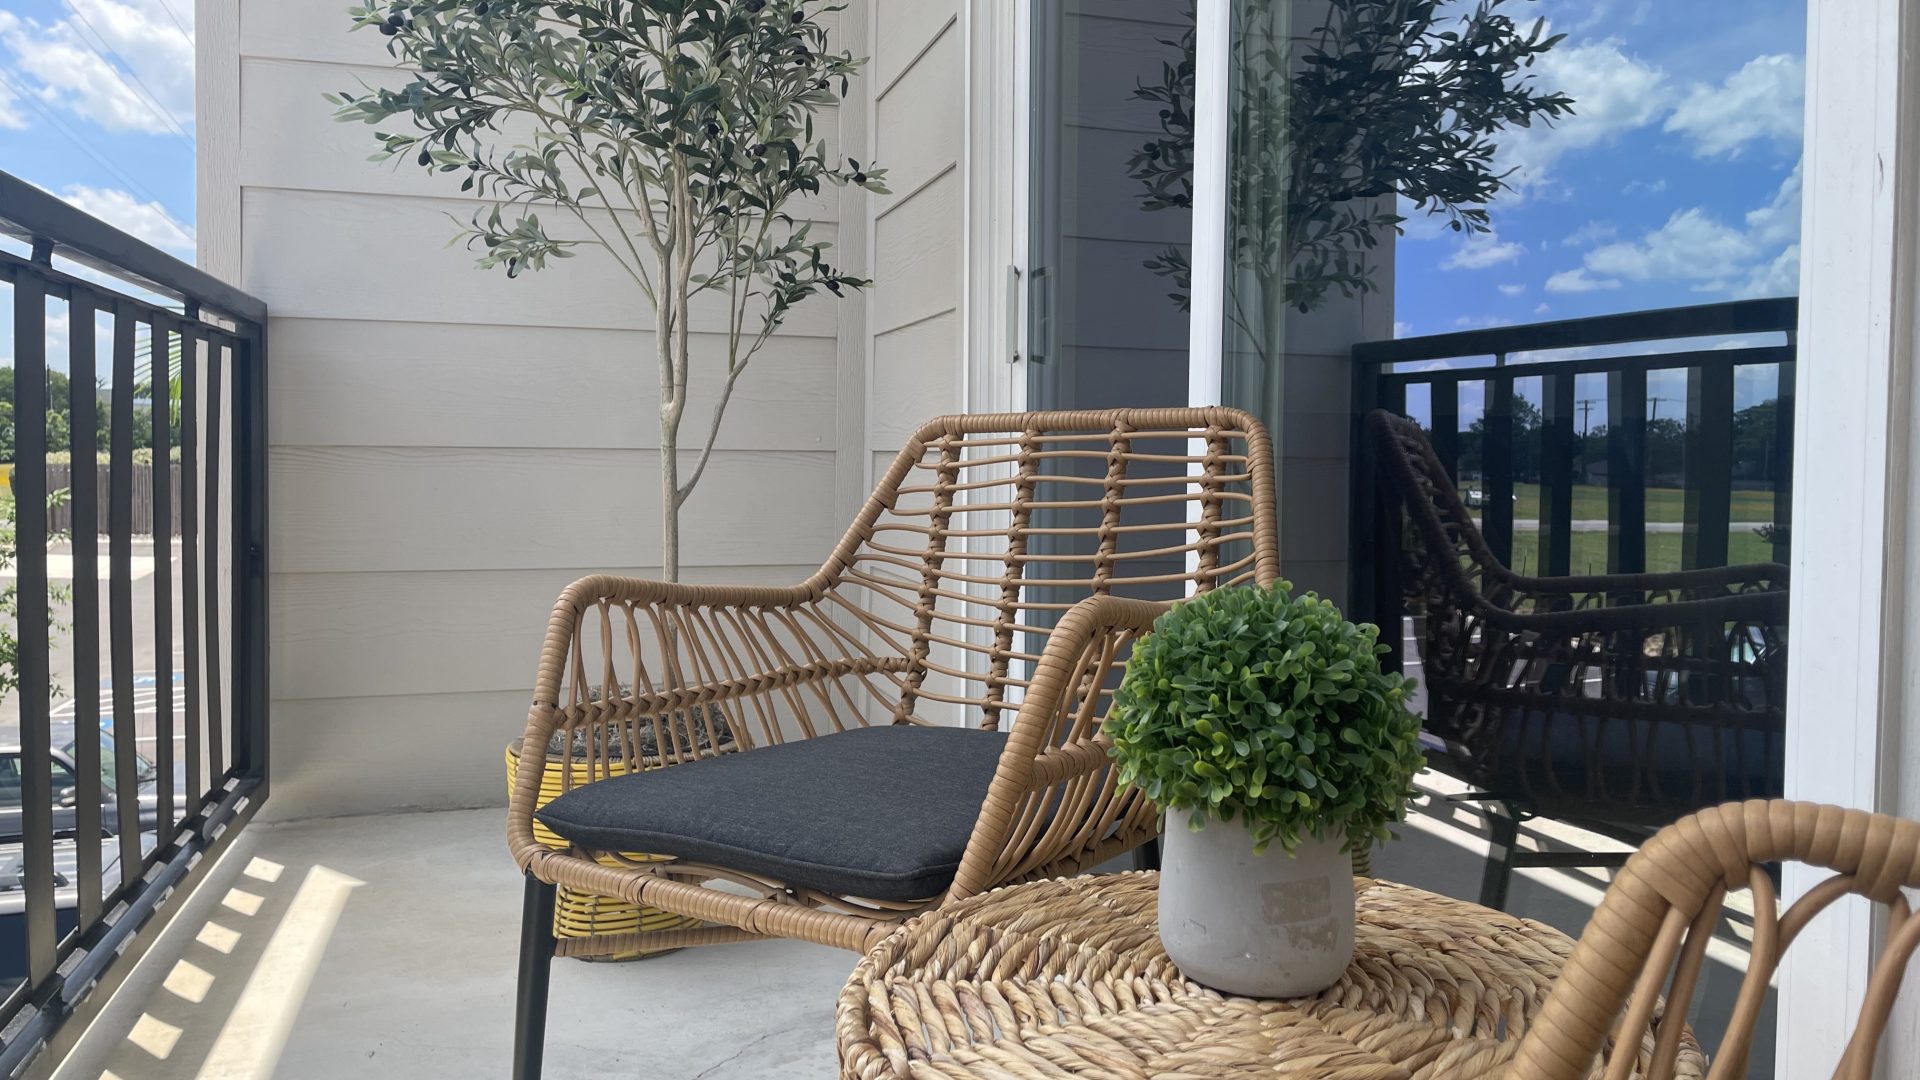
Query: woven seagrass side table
(1066,978)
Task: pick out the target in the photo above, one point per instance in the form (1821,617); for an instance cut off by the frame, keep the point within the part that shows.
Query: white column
(1851,709)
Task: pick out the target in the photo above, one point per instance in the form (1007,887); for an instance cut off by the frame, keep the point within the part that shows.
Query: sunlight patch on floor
(256,1030)
(218,938)
(155,1036)
(189,981)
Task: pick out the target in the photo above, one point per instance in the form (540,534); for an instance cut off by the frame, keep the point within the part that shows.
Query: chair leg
(1505,843)
(536,965)
(1147,856)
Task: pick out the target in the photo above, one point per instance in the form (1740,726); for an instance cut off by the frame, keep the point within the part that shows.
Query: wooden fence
(60,517)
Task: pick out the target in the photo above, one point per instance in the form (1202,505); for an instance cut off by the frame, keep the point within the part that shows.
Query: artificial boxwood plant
(1256,705)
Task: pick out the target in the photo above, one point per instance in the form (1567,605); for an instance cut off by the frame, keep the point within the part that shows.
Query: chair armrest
(1769,576)
(1753,608)
(628,658)
(1056,795)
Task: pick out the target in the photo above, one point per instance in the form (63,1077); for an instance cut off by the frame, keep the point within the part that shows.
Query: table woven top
(1066,978)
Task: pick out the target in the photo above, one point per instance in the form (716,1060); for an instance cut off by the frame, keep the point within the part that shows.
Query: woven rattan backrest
(1452,560)
(987,528)
(1650,933)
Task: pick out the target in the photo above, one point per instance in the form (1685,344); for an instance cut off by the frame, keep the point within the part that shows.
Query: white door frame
(1213,33)
(995,209)
(1852,699)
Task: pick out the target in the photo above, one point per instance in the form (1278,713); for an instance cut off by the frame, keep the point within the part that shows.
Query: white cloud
(1577,281)
(1402,328)
(147,221)
(1644,187)
(1781,277)
(1593,232)
(1512,290)
(1481,250)
(1761,101)
(1759,257)
(68,63)
(1481,322)
(1541,308)
(1612,93)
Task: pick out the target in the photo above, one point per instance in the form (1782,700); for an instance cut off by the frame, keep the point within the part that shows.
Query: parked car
(66,898)
(66,790)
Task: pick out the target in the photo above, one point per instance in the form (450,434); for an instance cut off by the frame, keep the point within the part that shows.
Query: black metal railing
(1535,432)
(104,835)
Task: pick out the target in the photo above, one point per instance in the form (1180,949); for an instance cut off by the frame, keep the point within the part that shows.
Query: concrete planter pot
(1266,925)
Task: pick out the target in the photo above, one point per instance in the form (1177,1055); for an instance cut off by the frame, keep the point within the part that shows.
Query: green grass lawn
(1589,554)
(1663,504)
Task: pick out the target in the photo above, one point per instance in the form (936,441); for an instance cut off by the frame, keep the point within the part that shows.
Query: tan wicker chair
(996,578)
(1660,912)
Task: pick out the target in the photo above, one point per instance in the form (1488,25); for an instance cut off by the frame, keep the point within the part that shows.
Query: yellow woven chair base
(584,915)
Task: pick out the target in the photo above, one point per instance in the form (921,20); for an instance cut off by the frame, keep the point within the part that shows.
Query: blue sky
(1676,182)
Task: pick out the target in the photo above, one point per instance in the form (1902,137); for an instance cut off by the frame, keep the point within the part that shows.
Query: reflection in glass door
(1111,191)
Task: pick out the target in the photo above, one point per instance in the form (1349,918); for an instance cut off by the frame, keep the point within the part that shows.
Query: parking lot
(147,677)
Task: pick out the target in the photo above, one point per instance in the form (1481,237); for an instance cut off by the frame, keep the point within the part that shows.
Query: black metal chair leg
(1147,856)
(1504,836)
(536,965)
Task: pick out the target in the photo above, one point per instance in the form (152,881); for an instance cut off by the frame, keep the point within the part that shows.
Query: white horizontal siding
(332,255)
(354,383)
(428,508)
(353,635)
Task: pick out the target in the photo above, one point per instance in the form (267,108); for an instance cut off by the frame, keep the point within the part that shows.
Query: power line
(33,102)
(178,25)
(151,100)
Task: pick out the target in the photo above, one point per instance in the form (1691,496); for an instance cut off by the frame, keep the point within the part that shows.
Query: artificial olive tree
(675,134)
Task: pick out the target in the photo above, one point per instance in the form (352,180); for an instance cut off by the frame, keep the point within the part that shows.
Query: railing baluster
(251,701)
(120,591)
(1445,400)
(216,756)
(189,565)
(83,496)
(34,689)
(1627,471)
(160,389)
(1496,463)
(1556,474)
(1709,491)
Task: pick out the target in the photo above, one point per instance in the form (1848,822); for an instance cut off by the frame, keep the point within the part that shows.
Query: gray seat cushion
(881,812)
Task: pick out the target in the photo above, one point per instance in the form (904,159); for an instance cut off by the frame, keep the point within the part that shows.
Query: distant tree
(1755,431)
(1525,453)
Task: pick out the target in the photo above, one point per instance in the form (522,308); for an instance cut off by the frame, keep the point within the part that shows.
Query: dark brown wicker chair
(1618,702)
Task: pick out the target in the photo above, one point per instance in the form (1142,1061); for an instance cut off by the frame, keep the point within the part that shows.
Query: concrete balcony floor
(385,946)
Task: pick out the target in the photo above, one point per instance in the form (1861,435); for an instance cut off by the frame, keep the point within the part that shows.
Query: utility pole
(1586,409)
(1654,412)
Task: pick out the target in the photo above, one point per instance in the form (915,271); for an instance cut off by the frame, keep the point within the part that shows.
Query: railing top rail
(30,214)
(1662,324)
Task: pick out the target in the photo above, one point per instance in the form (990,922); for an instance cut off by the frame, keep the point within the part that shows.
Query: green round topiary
(1257,705)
